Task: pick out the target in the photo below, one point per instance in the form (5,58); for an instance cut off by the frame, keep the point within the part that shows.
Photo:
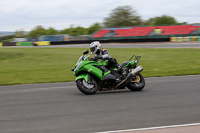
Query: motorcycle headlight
(76,69)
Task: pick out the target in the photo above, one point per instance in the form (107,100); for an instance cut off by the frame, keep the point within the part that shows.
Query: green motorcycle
(90,78)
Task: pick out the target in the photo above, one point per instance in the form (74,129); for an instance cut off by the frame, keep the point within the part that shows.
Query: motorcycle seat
(124,63)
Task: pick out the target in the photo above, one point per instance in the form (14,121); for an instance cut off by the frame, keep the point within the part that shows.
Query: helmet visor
(92,49)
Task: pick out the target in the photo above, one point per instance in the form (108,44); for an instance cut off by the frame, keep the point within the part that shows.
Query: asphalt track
(61,108)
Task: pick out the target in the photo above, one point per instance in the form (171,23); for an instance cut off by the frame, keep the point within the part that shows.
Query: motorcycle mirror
(86,52)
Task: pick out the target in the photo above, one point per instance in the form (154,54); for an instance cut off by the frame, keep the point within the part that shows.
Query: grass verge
(41,65)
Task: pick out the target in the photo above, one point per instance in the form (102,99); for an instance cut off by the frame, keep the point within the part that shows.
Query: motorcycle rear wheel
(137,84)
(87,88)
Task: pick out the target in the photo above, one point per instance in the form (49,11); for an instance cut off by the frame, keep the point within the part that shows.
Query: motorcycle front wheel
(137,84)
(87,88)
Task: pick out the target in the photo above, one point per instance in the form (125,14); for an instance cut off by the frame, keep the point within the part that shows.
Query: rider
(95,48)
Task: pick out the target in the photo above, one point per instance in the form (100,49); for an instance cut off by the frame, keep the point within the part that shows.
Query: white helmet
(95,46)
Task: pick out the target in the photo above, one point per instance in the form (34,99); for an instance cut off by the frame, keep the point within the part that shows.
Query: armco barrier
(25,44)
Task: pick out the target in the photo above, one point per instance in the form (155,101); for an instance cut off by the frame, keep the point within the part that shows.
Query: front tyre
(137,84)
(87,88)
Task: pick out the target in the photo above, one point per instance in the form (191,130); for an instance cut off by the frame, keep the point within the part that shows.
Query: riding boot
(123,71)
(113,62)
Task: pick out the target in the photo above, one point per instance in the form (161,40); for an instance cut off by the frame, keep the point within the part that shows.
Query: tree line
(122,16)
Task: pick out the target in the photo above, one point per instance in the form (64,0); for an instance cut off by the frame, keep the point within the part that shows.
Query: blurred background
(65,20)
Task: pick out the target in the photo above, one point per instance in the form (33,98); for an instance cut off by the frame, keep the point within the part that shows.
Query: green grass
(40,65)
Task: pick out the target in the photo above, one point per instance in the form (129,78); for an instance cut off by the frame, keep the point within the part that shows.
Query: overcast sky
(60,14)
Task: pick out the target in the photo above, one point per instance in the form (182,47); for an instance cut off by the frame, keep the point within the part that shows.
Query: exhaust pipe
(135,71)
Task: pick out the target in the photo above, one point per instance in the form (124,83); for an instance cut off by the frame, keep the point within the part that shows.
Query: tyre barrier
(46,43)
(42,43)
(9,44)
(185,39)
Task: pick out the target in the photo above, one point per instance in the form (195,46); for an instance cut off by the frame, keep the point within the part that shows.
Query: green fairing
(82,76)
(90,67)
(115,69)
(131,63)
(93,70)
(106,73)
(103,62)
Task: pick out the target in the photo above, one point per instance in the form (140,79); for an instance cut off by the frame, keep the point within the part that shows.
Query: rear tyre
(87,88)
(137,84)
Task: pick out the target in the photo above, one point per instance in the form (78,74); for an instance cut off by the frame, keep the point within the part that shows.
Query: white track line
(150,128)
